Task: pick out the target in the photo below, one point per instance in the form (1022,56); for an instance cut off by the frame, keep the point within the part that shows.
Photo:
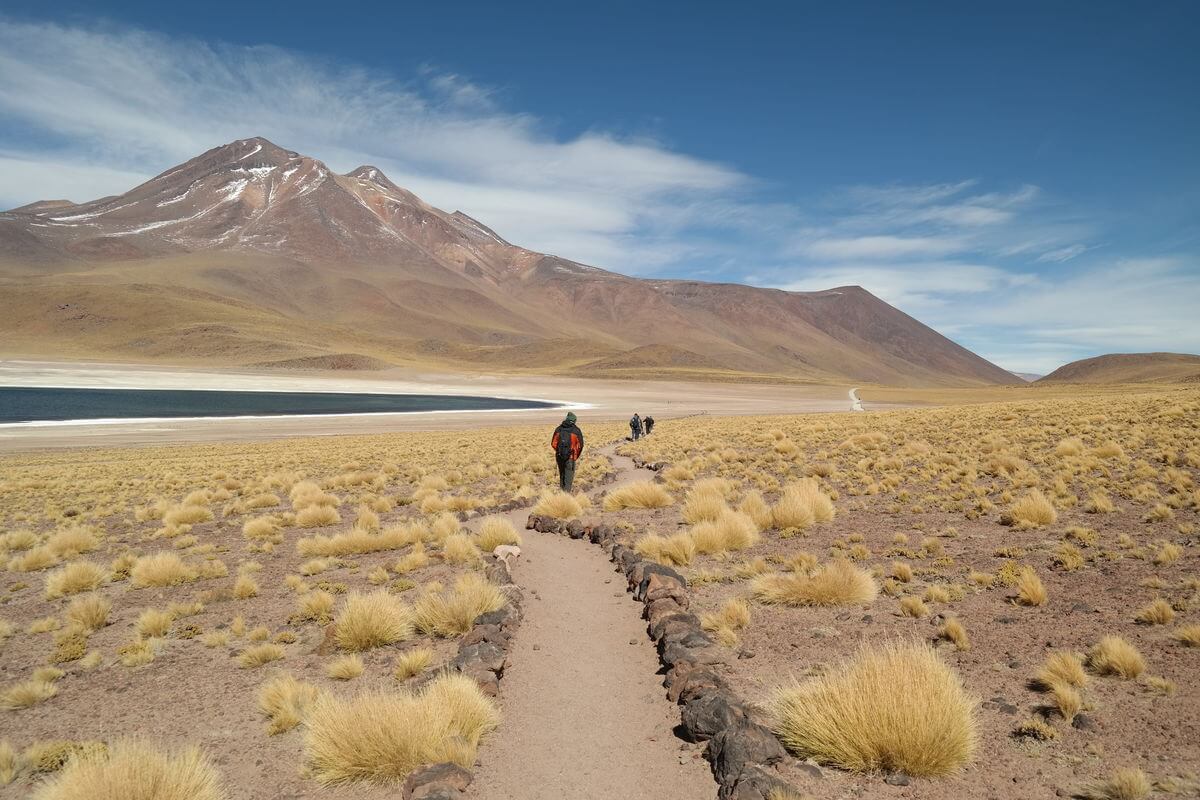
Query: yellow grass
(71,542)
(1127,783)
(1030,590)
(79,576)
(372,620)
(642,494)
(678,549)
(357,541)
(27,693)
(90,611)
(954,631)
(837,583)
(134,770)
(154,622)
(10,762)
(495,531)
(1033,510)
(1188,635)
(382,736)
(161,569)
(730,530)
(459,548)
(452,613)
(894,707)
(1062,667)
(802,504)
(258,654)
(557,504)
(1158,612)
(412,662)
(913,607)
(345,668)
(285,701)
(1112,655)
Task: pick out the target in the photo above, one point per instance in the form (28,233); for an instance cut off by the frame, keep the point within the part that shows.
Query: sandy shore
(597,400)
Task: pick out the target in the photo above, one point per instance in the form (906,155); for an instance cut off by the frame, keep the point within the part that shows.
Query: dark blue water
(21,404)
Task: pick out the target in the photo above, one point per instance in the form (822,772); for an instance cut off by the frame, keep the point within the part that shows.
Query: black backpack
(563,451)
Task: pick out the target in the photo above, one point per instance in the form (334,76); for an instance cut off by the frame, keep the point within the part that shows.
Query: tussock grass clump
(1033,510)
(837,583)
(1158,612)
(38,558)
(372,620)
(72,542)
(260,528)
(317,516)
(154,623)
(1188,635)
(382,736)
(245,587)
(258,654)
(496,531)
(676,550)
(133,770)
(1062,667)
(703,506)
(1112,655)
(913,607)
(316,606)
(954,631)
(452,613)
(1099,502)
(285,701)
(558,505)
(896,707)
(90,612)
(802,504)
(10,762)
(27,693)
(161,569)
(80,576)
(458,548)
(412,662)
(731,530)
(642,494)
(358,540)
(345,668)
(733,615)
(1129,783)
(1030,590)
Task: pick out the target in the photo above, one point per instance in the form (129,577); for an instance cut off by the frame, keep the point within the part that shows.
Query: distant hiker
(635,426)
(648,424)
(567,443)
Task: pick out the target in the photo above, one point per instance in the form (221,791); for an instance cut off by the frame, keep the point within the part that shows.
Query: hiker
(648,424)
(567,443)
(635,427)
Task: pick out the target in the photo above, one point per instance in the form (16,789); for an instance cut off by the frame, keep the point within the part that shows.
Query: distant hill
(1029,377)
(1129,368)
(250,254)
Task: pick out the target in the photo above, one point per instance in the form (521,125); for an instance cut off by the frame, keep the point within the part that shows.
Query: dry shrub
(801,504)
(187,515)
(1112,655)
(265,500)
(913,607)
(558,505)
(733,615)
(38,558)
(459,549)
(415,559)
(496,531)
(154,623)
(72,542)
(1168,553)
(837,583)
(1030,590)
(1159,612)
(1067,700)
(285,701)
(895,707)
(954,631)
(357,541)
(704,505)
(1032,510)
(901,571)
(27,693)
(676,550)
(373,620)
(81,576)
(1129,783)
(258,654)
(452,613)
(383,736)
(1188,635)
(90,611)
(317,516)
(245,587)
(10,762)
(345,668)
(260,528)
(642,494)
(731,530)
(1062,667)
(412,662)
(132,770)
(161,569)
(1098,502)
(754,505)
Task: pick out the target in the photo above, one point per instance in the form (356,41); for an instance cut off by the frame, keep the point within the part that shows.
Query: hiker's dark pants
(635,432)
(566,473)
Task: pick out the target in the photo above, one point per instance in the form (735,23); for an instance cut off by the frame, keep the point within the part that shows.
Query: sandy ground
(585,714)
(595,400)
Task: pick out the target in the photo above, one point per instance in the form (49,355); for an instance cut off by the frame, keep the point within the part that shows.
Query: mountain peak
(374,175)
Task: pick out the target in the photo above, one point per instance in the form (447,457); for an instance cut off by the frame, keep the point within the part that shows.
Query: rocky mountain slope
(252,254)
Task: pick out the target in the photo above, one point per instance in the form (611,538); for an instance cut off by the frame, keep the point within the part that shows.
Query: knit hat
(571,416)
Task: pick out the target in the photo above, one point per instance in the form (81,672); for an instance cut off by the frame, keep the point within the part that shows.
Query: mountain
(250,254)
(1130,368)
(1028,377)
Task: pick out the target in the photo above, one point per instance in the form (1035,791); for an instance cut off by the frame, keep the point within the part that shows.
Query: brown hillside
(250,253)
(1129,368)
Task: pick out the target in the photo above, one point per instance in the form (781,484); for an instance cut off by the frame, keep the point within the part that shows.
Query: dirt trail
(584,713)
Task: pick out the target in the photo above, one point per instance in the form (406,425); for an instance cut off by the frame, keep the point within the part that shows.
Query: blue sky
(1022,176)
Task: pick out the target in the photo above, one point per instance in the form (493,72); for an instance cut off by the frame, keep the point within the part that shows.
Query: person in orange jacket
(567,444)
